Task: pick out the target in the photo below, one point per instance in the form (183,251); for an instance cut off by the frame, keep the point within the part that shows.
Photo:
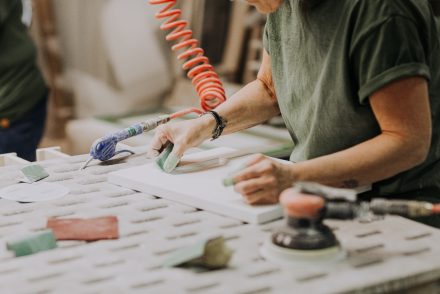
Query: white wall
(78,24)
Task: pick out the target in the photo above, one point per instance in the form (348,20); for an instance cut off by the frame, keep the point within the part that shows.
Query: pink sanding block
(94,229)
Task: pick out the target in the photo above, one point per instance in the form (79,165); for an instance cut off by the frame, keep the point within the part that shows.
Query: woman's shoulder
(383,9)
(369,15)
(6,6)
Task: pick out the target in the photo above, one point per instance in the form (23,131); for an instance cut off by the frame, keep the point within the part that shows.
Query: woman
(358,86)
(23,93)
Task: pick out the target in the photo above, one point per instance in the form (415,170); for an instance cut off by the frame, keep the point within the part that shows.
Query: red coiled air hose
(205,80)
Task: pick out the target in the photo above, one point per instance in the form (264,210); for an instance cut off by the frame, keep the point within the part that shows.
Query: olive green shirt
(21,83)
(327,63)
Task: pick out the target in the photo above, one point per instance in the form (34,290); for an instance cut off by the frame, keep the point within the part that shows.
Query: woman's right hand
(183,135)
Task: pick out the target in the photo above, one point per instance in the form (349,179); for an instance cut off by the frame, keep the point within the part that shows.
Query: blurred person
(23,92)
(358,86)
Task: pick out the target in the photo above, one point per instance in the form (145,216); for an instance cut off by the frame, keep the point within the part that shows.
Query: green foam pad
(34,173)
(160,161)
(33,244)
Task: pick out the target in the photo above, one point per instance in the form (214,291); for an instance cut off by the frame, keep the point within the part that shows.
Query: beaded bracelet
(220,124)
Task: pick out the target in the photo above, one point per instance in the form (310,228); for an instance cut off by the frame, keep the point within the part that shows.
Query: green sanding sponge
(34,173)
(167,160)
(162,158)
(33,244)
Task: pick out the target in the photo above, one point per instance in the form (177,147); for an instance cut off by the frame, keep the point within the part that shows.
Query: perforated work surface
(389,254)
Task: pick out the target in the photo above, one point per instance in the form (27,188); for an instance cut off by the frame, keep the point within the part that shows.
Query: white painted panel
(201,189)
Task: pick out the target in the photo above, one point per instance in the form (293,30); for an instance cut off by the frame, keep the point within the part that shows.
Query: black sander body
(306,239)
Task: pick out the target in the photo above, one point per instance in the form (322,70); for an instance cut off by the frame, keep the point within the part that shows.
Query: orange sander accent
(302,205)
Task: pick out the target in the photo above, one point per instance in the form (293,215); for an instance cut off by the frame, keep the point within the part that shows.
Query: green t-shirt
(326,64)
(21,83)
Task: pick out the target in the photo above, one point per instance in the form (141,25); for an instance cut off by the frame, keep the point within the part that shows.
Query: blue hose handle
(105,148)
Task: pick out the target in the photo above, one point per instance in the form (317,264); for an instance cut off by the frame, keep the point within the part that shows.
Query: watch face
(26,18)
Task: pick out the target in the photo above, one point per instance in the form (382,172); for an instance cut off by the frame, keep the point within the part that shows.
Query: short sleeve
(390,51)
(5,7)
(2,12)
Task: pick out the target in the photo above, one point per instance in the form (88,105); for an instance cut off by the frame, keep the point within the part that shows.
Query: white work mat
(389,255)
(202,189)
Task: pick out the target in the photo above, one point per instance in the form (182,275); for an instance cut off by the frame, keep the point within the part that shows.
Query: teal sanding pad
(167,161)
(162,158)
(32,244)
(34,173)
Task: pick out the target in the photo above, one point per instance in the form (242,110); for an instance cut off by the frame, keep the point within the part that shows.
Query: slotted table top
(384,255)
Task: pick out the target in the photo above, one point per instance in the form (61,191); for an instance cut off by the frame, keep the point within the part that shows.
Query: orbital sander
(305,239)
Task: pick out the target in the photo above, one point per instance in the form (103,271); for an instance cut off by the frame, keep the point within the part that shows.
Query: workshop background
(107,59)
(108,66)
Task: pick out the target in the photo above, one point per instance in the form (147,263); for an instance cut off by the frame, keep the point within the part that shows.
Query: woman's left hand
(263,180)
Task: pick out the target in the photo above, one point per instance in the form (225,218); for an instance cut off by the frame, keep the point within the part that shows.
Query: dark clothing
(326,64)
(23,93)
(23,136)
(21,83)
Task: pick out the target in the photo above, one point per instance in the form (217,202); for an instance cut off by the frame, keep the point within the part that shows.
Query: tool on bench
(105,148)
(35,243)
(305,238)
(205,80)
(93,229)
(34,173)
(211,253)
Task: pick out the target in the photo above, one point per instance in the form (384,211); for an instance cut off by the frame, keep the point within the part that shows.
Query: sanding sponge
(32,244)
(167,160)
(94,229)
(34,173)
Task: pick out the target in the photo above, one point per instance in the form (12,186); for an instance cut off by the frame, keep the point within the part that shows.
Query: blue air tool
(105,148)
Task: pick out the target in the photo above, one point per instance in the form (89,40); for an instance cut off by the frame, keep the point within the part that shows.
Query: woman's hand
(183,135)
(252,105)
(263,180)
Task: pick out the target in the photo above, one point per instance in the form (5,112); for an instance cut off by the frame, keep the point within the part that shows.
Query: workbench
(392,254)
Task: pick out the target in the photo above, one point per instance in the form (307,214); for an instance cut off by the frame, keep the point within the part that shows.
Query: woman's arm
(252,105)
(403,113)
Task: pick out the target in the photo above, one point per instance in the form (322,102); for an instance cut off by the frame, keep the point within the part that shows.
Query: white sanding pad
(294,257)
(36,192)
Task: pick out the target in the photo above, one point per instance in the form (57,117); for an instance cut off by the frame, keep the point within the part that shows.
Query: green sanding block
(33,244)
(163,157)
(34,173)
(210,254)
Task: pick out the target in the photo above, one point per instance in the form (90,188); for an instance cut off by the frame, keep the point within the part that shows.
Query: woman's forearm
(252,105)
(374,160)
(403,113)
